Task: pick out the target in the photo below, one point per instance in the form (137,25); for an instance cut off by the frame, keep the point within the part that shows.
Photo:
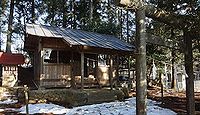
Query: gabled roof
(79,37)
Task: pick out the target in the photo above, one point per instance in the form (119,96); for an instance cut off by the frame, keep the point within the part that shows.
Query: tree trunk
(127,27)
(1,12)
(0,40)
(120,22)
(64,11)
(141,83)
(173,73)
(180,23)
(190,104)
(91,10)
(173,83)
(74,14)
(33,11)
(10,21)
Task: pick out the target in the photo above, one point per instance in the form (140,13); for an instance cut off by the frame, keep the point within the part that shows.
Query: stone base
(71,98)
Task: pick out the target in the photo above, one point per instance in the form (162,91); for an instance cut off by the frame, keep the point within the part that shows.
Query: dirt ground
(175,101)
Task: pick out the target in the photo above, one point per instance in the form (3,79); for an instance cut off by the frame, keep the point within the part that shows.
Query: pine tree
(10,28)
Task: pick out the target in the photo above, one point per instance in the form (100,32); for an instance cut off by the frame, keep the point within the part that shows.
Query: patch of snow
(44,108)
(8,101)
(127,107)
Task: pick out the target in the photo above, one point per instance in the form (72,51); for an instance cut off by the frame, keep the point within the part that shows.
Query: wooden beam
(98,50)
(82,70)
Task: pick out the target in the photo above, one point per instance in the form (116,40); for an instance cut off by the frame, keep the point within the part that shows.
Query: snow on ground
(8,101)
(127,107)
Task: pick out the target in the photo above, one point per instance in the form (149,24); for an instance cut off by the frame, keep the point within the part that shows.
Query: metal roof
(79,37)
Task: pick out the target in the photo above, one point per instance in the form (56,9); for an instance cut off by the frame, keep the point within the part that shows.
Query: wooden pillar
(161,85)
(39,61)
(82,70)
(129,67)
(95,71)
(35,66)
(111,72)
(117,67)
(129,73)
(73,85)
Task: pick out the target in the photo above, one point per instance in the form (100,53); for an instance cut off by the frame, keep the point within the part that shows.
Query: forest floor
(175,101)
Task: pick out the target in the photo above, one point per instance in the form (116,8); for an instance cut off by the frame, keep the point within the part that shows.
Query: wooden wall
(55,75)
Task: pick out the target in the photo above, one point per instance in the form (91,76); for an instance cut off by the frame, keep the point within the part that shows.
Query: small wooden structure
(71,58)
(10,62)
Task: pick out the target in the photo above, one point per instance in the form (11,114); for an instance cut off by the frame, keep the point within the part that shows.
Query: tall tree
(10,29)
(64,12)
(190,103)
(0,22)
(91,9)
(0,40)
(33,11)
(3,6)
(189,23)
(141,83)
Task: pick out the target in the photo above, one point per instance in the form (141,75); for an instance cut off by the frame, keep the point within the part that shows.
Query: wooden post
(39,62)
(96,69)
(111,72)
(117,67)
(161,85)
(73,85)
(82,70)
(26,98)
(141,82)
(129,66)
(129,74)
